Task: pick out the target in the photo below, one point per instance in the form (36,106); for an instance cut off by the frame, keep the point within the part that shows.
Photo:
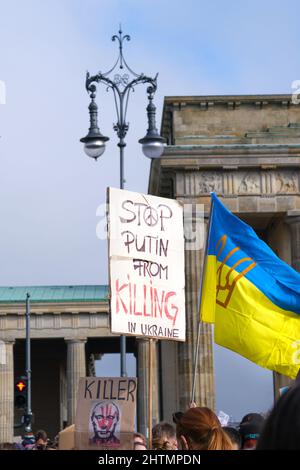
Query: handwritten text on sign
(146,251)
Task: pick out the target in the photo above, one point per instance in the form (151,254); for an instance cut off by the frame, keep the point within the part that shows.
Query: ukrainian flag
(251,296)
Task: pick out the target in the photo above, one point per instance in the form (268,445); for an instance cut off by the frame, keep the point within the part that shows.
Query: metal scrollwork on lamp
(121,86)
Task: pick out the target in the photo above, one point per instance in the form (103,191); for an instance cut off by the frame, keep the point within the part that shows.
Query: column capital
(8,340)
(75,340)
(145,340)
(292,217)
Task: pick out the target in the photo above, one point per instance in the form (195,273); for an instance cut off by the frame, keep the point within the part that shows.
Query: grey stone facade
(247,150)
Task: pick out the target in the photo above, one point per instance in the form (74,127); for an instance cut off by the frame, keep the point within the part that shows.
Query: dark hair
(162,435)
(202,430)
(250,429)
(282,428)
(177,416)
(233,435)
(41,435)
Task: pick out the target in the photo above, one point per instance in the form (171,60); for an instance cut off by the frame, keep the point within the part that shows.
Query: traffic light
(21,392)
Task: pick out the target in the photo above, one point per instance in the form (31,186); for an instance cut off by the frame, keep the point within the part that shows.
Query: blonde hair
(202,430)
(162,436)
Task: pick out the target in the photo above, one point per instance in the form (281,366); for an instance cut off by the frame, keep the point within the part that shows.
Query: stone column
(294,223)
(142,385)
(6,391)
(155,390)
(143,392)
(76,368)
(205,392)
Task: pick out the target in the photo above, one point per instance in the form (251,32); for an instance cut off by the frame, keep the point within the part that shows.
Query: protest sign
(105,413)
(66,438)
(146,261)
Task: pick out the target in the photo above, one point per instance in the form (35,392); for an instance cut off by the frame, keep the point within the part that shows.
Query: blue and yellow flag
(251,296)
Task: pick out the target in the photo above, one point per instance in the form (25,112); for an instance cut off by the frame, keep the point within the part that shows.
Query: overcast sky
(50,191)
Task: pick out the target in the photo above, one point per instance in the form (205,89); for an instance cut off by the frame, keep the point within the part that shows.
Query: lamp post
(121,85)
(28,416)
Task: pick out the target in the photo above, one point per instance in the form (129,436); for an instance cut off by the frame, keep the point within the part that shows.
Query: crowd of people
(199,428)
(30,441)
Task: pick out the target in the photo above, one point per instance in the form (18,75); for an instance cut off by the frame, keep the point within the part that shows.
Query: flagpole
(199,302)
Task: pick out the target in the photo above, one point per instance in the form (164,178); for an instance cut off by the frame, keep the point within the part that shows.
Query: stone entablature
(54,307)
(238,155)
(252,178)
(55,320)
(230,119)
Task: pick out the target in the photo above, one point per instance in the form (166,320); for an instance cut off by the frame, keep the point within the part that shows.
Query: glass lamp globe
(153,149)
(94,148)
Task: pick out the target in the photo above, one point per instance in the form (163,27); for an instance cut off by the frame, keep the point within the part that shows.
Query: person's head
(164,437)
(139,441)
(282,427)
(199,429)
(41,437)
(105,417)
(250,429)
(234,436)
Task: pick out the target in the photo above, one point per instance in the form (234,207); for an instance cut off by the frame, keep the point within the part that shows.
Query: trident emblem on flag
(227,280)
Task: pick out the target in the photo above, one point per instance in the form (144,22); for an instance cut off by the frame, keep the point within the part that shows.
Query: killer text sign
(146,260)
(105,414)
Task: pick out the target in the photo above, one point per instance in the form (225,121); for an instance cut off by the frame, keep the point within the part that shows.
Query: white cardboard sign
(146,261)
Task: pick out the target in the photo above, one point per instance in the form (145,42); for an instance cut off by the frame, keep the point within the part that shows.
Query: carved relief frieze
(39,322)
(2,322)
(210,181)
(56,321)
(21,322)
(286,182)
(93,321)
(242,183)
(75,321)
(250,183)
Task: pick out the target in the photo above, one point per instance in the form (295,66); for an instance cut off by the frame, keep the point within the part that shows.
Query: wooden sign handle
(150,394)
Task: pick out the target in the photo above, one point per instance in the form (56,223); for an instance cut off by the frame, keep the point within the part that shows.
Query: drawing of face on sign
(104,424)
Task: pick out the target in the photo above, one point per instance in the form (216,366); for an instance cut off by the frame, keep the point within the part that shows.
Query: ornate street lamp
(94,142)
